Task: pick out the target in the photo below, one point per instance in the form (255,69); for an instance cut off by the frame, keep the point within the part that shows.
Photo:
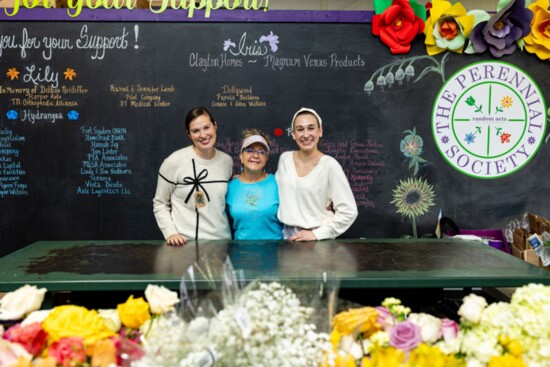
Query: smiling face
(202,132)
(254,161)
(307,132)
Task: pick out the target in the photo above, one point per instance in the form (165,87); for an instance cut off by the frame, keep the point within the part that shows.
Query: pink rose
(127,351)
(383,314)
(405,336)
(68,351)
(449,329)
(32,337)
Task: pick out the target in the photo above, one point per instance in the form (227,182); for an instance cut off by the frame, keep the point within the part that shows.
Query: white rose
(111,319)
(430,326)
(472,307)
(160,298)
(36,316)
(15,305)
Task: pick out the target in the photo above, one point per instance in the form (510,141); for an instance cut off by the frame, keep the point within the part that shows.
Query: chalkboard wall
(89,110)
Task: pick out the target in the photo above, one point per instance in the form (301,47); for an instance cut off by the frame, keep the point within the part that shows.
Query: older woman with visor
(309,182)
(252,197)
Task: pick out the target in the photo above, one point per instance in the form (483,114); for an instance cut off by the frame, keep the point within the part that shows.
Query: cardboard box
(521,248)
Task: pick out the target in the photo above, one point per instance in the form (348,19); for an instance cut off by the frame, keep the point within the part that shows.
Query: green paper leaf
(381,5)
(502,4)
(419,10)
(521,44)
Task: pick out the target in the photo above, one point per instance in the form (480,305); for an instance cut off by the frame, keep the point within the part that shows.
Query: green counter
(380,264)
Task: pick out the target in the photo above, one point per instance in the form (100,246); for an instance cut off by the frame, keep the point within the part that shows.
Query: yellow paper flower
(134,312)
(66,321)
(362,320)
(104,353)
(385,357)
(447,28)
(431,356)
(506,360)
(538,41)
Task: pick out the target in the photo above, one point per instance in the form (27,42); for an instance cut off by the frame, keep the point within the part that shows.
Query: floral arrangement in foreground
(265,325)
(514,334)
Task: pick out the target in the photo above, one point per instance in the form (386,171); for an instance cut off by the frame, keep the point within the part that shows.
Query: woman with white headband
(309,182)
(252,197)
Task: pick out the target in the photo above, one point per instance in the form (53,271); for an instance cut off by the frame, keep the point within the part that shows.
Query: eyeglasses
(259,151)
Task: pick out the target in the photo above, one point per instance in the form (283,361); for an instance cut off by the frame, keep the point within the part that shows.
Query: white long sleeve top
(178,182)
(303,200)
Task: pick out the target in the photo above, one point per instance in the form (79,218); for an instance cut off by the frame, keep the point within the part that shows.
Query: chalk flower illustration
(272,39)
(411,147)
(506,102)
(72,115)
(69,73)
(538,41)
(12,115)
(12,73)
(227,44)
(447,27)
(412,198)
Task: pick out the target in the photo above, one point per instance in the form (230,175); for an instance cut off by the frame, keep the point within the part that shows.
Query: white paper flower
(472,307)
(15,305)
(160,298)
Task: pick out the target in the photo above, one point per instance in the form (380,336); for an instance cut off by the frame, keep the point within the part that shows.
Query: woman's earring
(242,169)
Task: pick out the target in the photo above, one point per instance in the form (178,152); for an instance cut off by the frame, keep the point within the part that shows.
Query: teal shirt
(253,208)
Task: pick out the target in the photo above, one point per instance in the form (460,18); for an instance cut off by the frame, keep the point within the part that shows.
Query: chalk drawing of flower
(506,102)
(444,139)
(227,44)
(273,40)
(12,73)
(411,147)
(412,198)
(12,115)
(470,138)
(72,115)
(531,140)
(69,73)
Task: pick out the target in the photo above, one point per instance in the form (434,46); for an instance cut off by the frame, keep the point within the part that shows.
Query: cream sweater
(303,200)
(174,201)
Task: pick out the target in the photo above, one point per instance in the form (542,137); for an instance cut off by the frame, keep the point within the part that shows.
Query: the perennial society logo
(489,119)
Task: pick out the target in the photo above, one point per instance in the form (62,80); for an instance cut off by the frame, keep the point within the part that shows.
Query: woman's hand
(303,235)
(176,240)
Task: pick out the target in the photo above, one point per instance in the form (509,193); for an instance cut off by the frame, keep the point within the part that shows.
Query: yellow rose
(67,321)
(447,27)
(134,312)
(538,41)
(361,320)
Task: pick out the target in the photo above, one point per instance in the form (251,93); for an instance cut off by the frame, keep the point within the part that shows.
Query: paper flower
(538,41)
(501,33)
(398,24)
(447,28)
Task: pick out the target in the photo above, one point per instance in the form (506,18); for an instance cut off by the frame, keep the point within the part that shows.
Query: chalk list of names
(11,171)
(104,166)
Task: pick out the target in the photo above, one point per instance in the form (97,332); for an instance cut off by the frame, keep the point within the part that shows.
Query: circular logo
(489,119)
